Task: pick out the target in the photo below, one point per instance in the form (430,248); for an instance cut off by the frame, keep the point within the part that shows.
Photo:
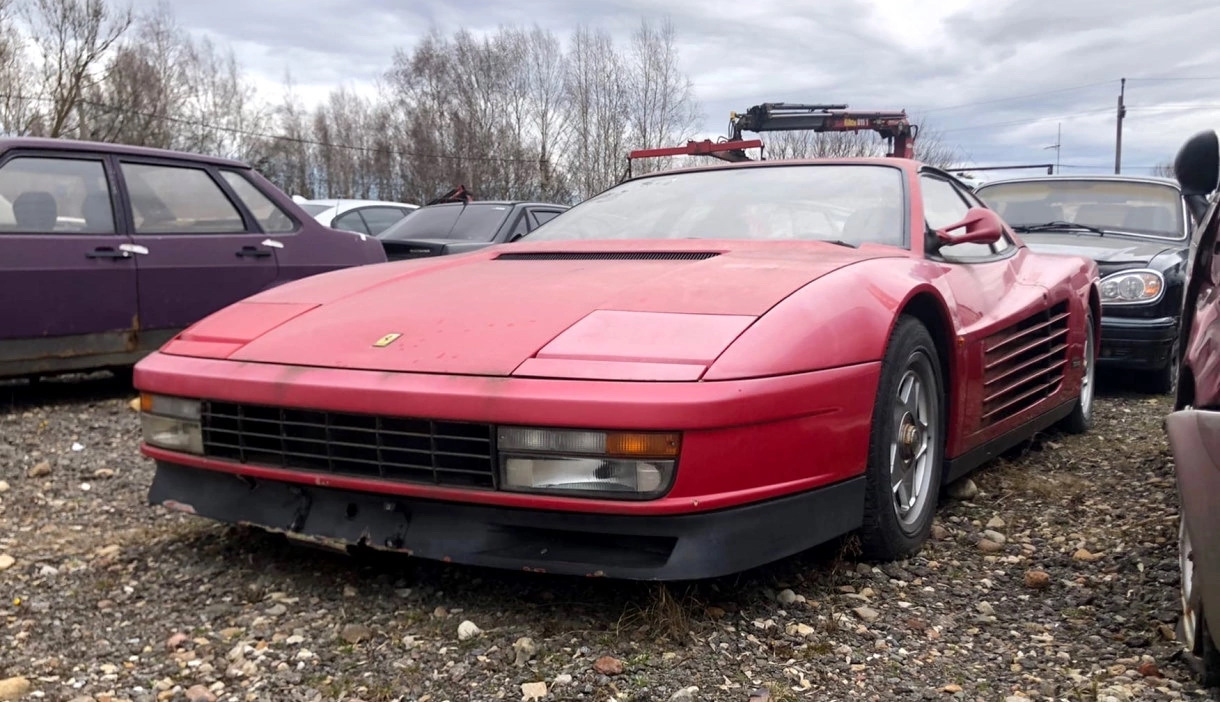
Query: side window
(942,206)
(379,219)
(541,217)
(178,200)
(270,217)
(350,222)
(55,195)
(521,228)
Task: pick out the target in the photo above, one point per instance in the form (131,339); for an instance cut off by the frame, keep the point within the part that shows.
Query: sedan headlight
(1132,287)
(171,423)
(617,465)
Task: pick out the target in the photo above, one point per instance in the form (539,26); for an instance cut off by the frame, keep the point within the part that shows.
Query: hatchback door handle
(107,252)
(253,252)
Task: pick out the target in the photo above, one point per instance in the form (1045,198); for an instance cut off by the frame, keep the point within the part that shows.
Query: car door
(67,278)
(198,251)
(996,305)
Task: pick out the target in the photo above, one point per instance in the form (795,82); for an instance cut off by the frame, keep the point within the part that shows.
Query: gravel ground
(1058,580)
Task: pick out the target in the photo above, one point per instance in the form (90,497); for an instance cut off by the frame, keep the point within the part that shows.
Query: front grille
(367,446)
(606,256)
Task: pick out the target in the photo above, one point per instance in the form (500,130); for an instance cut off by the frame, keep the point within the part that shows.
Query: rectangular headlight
(171,423)
(616,465)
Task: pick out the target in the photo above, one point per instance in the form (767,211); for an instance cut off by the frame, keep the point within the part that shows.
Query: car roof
(892,161)
(502,203)
(1112,177)
(45,144)
(352,203)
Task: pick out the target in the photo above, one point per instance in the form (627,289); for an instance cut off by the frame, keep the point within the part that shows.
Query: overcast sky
(993,76)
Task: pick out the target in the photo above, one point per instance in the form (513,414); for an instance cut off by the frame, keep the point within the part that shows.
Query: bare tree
(546,83)
(18,106)
(661,104)
(596,94)
(1163,169)
(144,88)
(288,160)
(72,37)
(221,116)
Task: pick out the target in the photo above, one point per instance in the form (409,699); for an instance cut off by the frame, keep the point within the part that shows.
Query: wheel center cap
(909,437)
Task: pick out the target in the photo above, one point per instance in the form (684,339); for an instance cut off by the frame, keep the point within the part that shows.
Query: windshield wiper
(840,242)
(1058,224)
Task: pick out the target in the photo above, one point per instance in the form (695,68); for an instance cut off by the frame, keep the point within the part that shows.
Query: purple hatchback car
(107,251)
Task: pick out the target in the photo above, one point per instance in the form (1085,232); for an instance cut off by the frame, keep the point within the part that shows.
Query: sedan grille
(358,445)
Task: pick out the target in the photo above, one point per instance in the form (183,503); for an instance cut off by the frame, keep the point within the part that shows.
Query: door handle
(252,252)
(107,252)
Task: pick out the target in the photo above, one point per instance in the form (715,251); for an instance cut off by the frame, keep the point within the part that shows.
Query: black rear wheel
(906,446)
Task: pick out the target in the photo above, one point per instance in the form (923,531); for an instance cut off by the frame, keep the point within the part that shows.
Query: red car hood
(665,310)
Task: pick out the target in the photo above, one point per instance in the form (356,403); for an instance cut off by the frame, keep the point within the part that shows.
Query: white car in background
(363,216)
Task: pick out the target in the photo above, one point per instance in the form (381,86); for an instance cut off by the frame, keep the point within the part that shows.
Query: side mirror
(979,226)
(1197,164)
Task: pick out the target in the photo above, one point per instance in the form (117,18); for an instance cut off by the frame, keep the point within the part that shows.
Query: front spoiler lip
(649,547)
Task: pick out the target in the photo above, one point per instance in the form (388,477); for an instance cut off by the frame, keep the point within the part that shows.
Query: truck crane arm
(782,116)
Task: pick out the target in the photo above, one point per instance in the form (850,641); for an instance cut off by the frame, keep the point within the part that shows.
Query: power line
(1030,120)
(1018,97)
(275,137)
(1173,78)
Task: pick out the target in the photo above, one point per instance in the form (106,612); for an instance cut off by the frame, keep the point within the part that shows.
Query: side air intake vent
(1024,363)
(607,256)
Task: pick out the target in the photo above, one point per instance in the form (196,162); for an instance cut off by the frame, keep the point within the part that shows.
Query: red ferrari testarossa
(691,374)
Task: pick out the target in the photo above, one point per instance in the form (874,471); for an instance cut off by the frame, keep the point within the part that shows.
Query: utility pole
(1118,137)
(1057,146)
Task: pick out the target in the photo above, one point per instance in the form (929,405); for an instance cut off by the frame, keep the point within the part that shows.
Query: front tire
(905,446)
(1193,631)
(1081,418)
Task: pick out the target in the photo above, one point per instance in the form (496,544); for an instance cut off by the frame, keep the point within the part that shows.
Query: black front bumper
(677,547)
(1138,344)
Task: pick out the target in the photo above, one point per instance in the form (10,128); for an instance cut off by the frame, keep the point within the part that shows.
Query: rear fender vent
(1024,363)
(607,256)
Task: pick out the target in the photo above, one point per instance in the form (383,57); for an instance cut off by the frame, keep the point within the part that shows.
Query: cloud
(963,67)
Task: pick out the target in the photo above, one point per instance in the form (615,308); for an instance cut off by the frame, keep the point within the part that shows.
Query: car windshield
(472,222)
(851,203)
(1149,209)
(315,210)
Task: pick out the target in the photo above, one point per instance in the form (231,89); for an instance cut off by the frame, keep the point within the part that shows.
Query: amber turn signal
(642,445)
